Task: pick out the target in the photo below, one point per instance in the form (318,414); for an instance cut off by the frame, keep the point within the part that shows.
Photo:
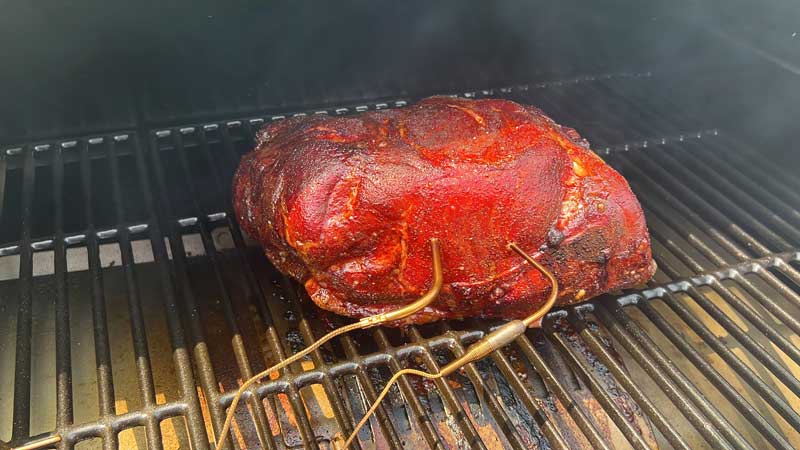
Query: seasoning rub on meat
(347,205)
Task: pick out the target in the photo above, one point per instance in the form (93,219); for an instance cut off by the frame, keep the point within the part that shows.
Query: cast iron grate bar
(64,403)
(105,382)
(22,364)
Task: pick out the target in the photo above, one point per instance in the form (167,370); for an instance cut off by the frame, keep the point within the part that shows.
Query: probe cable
(500,337)
(364,323)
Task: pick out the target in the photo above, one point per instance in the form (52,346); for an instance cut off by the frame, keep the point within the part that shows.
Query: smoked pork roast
(347,205)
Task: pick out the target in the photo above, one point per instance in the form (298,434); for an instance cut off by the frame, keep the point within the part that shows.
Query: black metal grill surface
(706,356)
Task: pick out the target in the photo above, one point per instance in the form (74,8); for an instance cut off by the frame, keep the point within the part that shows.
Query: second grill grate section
(705,357)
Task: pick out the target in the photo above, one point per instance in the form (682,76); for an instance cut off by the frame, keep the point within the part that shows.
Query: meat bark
(347,205)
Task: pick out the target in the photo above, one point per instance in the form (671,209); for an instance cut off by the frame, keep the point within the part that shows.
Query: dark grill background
(147,351)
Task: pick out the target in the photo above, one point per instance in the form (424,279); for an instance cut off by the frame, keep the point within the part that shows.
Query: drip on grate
(133,305)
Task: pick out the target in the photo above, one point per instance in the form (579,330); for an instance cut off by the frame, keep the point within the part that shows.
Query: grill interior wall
(145,305)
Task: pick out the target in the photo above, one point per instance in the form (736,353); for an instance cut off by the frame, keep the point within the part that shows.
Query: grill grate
(706,356)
